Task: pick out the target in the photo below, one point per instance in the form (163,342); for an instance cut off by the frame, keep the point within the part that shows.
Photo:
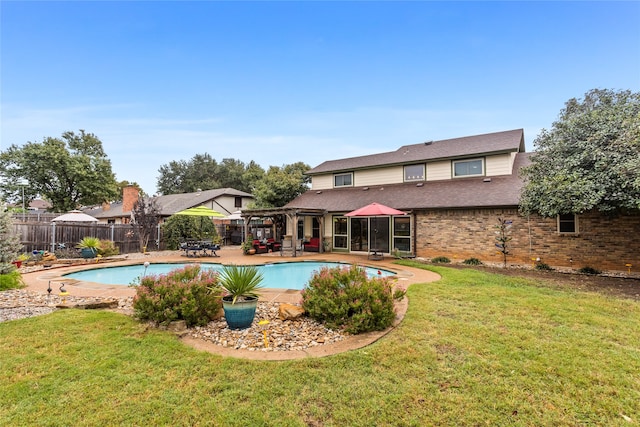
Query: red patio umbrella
(375,209)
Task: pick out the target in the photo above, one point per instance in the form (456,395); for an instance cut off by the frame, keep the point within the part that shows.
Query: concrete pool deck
(38,281)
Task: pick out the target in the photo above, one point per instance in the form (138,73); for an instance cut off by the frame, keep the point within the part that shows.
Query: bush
(542,266)
(11,280)
(472,261)
(440,260)
(188,294)
(589,270)
(107,248)
(345,298)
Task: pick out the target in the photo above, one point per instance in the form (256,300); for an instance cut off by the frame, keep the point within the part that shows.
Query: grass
(474,348)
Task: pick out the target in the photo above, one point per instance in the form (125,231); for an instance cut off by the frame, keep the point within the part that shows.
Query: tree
(204,172)
(281,185)
(590,159)
(145,218)
(10,245)
(69,171)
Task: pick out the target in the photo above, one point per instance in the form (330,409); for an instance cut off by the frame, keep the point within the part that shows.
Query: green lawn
(474,349)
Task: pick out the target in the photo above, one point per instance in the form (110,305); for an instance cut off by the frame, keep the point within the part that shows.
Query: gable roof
(478,192)
(172,203)
(490,143)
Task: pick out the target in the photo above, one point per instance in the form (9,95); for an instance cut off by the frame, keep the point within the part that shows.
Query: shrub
(542,266)
(440,260)
(346,298)
(107,248)
(188,294)
(589,270)
(11,280)
(472,261)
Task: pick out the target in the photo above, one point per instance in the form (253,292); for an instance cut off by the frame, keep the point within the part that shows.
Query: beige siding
(439,170)
(322,182)
(381,176)
(499,165)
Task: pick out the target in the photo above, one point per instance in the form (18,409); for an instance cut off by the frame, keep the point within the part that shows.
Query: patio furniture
(312,245)
(288,248)
(195,248)
(375,254)
(260,247)
(272,245)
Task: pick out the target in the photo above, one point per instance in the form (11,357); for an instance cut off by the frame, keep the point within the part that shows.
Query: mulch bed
(620,287)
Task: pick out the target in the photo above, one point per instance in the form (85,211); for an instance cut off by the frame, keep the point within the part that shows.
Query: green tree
(69,171)
(280,185)
(205,173)
(590,159)
(180,228)
(10,245)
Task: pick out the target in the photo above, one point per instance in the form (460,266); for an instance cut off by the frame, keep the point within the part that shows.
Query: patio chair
(287,247)
(261,248)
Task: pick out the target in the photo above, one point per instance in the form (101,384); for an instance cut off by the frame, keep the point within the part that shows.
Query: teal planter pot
(88,252)
(241,314)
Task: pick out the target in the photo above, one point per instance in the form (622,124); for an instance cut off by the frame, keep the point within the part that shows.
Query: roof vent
(486,180)
(428,143)
(365,188)
(319,192)
(420,184)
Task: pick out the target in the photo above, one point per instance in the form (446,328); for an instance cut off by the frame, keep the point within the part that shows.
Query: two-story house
(453,192)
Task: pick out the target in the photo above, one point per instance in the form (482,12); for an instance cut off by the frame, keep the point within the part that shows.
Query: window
(343,180)
(468,167)
(402,233)
(567,223)
(414,173)
(237,202)
(340,236)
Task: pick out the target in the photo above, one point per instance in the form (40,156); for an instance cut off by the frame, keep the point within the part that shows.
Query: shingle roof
(500,191)
(172,203)
(507,141)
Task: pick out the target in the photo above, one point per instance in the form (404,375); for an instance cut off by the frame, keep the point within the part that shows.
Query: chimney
(106,206)
(129,198)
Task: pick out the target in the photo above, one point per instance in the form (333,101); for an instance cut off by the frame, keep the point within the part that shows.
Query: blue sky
(281,82)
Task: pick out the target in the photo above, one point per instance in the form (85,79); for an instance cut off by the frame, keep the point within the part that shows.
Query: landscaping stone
(290,312)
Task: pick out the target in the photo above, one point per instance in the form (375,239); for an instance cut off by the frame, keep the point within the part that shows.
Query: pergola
(292,214)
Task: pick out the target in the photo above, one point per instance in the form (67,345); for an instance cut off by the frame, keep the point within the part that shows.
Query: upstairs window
(237,202)
(343,180)
(414,173)
(473,167)
(567,223)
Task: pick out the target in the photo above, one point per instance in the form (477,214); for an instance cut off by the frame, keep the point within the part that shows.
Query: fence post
(53,237)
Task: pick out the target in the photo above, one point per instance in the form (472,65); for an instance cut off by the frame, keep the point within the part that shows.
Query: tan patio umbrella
(74,216)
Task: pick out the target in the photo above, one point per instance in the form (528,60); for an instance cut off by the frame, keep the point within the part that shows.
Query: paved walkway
(39,281)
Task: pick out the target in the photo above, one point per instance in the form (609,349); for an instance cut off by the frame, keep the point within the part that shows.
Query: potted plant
(247,247)
(240,301)
(89,247)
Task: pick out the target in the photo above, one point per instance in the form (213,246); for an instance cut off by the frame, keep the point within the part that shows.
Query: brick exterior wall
(603,243)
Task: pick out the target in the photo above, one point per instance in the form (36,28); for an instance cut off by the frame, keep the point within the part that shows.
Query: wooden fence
(42,235)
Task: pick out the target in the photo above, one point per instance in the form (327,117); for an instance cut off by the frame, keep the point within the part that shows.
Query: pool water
(285,275)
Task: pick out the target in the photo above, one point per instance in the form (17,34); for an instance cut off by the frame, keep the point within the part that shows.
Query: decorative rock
(282,335)
(178,326)
(290,312)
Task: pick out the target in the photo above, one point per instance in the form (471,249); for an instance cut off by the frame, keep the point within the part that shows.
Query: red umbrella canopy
(375,209)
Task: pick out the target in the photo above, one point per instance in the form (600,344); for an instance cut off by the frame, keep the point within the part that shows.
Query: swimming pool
(282,275)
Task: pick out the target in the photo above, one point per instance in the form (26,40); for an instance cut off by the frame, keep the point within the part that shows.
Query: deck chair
(287,247)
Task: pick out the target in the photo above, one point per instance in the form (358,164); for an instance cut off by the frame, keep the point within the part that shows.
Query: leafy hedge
(190,294)
(345,298)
